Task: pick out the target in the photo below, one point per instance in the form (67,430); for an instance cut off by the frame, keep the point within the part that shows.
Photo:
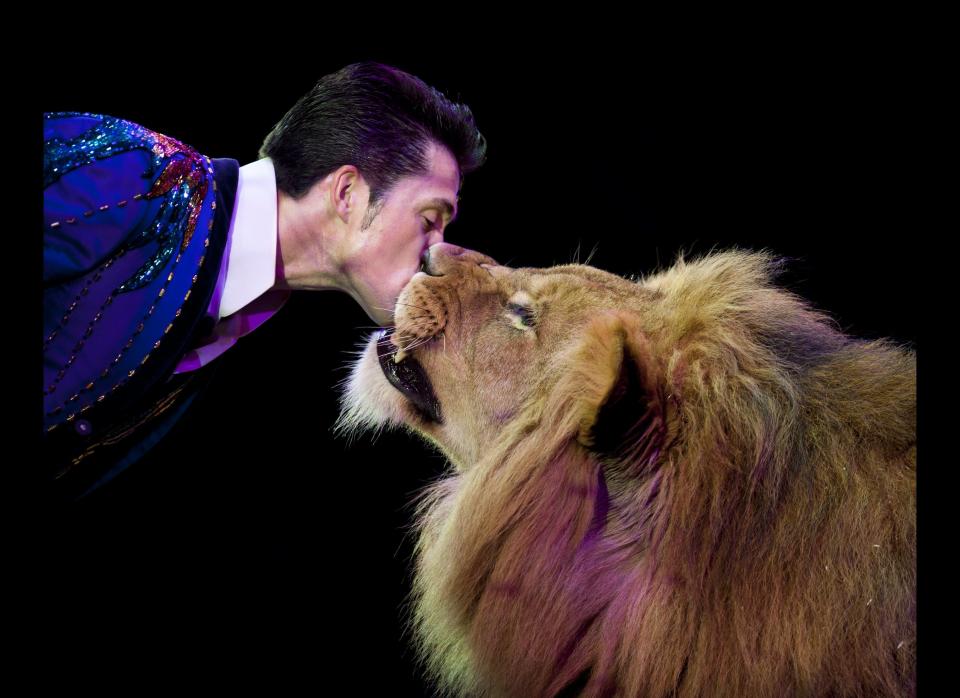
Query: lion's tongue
(408,377)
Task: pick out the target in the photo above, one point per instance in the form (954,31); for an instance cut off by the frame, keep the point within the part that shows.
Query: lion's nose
(442,257)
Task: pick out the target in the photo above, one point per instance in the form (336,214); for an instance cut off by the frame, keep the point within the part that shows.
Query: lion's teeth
(400,355)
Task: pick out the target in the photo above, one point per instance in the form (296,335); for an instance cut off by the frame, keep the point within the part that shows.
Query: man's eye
(428,224)
(522,315)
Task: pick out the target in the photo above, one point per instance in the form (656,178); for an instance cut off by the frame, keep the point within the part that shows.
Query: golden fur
(686,485)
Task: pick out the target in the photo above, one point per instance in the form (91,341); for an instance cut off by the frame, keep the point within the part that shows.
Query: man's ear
(346,184)
(622,411)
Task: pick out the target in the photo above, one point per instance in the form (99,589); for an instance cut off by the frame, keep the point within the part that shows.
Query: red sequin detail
(187,169)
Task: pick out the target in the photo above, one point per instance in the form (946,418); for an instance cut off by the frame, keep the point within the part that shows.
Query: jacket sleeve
(97,175)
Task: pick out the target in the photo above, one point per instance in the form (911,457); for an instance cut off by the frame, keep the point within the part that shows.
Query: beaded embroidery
(181,185)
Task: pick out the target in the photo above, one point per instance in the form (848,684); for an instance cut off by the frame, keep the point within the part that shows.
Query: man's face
(412,216)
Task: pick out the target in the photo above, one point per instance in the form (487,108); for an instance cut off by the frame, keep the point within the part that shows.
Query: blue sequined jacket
(134,229)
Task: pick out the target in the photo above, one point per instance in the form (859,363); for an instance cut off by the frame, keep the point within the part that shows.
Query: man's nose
(442,258)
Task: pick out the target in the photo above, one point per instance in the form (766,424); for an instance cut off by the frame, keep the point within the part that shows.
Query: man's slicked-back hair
(373,116)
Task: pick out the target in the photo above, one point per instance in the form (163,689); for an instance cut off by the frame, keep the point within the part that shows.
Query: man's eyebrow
(444,205)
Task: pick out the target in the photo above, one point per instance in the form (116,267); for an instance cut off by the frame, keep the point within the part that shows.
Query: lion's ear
(621,406)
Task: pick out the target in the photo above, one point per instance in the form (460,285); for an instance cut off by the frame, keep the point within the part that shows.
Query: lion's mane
(716,497)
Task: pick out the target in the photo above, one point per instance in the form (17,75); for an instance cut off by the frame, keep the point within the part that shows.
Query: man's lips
(408,377)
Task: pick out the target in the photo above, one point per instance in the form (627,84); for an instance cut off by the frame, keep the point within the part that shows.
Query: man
(157,259)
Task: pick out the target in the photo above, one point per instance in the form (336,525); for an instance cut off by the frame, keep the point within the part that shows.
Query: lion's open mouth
(408,377)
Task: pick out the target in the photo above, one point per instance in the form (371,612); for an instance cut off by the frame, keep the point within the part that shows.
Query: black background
(264,545)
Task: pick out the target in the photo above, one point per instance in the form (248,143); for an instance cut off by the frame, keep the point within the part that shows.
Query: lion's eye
(522,315)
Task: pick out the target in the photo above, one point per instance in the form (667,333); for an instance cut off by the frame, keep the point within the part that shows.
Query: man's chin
(377,311)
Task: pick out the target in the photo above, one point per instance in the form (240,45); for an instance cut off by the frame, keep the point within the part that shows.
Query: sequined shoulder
(175,175)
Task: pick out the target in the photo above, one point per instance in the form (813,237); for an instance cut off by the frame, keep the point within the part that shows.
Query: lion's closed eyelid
(521,317)
(524,311)
(521,310)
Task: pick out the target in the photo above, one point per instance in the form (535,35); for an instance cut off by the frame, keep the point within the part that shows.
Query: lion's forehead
(571,286)
(570,282)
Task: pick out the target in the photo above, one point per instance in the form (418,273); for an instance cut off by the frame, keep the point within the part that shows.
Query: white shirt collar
(252,262)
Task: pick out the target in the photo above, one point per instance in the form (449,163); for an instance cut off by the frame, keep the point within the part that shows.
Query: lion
(691,484)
